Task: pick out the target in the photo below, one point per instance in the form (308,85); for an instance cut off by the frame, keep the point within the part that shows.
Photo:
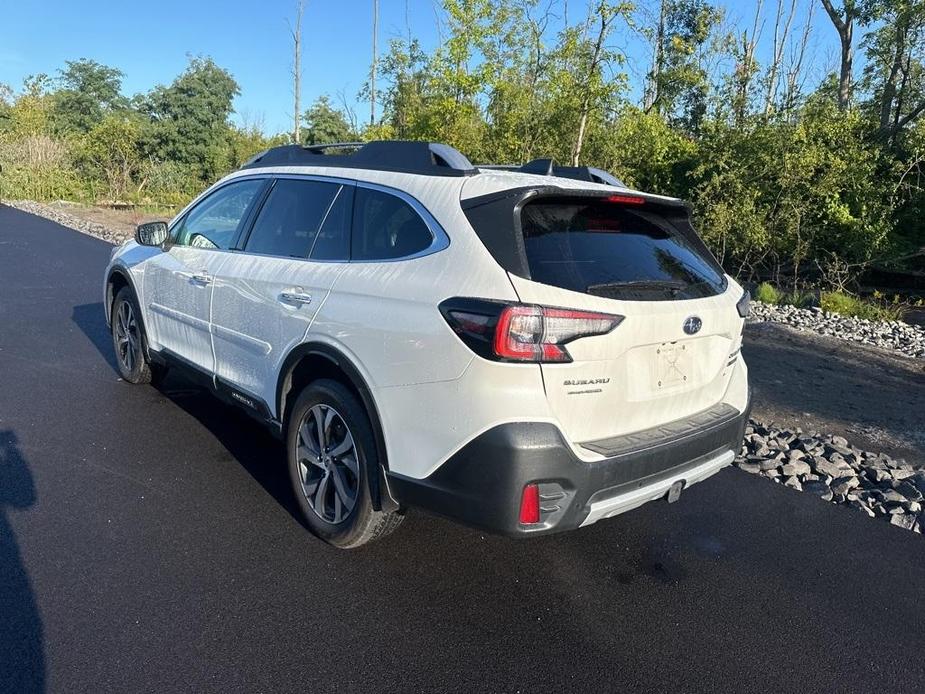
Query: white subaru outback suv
(525,350)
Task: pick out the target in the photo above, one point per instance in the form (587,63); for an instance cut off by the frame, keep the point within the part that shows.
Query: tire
(128,339)
(329,473)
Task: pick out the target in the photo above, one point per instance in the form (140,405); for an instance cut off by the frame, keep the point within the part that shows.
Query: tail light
(522,332)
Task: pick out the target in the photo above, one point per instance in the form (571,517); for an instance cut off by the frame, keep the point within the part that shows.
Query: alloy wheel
(128,341)
(329,469)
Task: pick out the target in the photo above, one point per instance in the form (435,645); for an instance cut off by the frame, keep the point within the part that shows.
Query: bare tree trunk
(650,100)
(537,31)
(747,68)
(592,67)
(297,73)
(796,66)
(372,77)
(845,28)
(889,86)
(780,41)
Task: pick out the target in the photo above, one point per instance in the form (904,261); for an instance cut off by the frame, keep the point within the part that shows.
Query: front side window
(215,221)
(289,221)
(386,227)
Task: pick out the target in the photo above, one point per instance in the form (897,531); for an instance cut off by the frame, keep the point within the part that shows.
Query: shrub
(38,167)
(767,293)
(799,298)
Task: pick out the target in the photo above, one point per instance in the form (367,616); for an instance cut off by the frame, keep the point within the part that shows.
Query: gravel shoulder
(904,338)
(873,397)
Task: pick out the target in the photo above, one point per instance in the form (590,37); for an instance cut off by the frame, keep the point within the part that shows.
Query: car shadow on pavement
(91,320)
(22,657)
(247,441)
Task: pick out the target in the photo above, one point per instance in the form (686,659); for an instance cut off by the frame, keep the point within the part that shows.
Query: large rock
(795,467)
(904,520)
(768,464)
(910,491)
(843,485)
(918,479)
(826,467)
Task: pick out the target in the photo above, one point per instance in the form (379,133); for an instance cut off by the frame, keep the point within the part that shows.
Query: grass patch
(848,305)
(877,307)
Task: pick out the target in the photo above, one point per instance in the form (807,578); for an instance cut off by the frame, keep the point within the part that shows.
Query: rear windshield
(616,251)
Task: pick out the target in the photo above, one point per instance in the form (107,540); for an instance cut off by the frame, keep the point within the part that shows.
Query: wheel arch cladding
(312,361)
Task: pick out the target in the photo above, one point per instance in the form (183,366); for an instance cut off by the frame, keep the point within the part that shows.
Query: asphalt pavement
(149,541)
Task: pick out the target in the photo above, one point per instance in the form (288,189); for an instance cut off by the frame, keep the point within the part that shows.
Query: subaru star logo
(692,325)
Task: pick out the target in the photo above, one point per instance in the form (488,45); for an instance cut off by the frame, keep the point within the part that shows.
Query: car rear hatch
(630,255)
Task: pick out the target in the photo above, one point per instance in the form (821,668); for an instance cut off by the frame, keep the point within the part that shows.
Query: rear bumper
(481,484)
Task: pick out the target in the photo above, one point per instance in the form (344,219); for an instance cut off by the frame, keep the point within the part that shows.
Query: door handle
(296,298)
(201,277)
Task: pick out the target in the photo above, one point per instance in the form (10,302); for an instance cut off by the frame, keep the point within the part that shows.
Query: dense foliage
(786,177)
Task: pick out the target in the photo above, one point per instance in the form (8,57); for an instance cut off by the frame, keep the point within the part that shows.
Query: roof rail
(547,167)
(405,156)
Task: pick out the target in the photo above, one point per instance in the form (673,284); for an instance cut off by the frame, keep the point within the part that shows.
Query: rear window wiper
(664,285)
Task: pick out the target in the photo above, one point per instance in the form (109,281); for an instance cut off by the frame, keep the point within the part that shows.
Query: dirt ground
(873,397)
(122,220)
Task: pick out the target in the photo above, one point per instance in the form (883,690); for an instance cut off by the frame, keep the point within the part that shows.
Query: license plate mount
(673,364)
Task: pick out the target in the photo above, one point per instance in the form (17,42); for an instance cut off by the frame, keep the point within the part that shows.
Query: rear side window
(289,220)
(608,249)
(386,227)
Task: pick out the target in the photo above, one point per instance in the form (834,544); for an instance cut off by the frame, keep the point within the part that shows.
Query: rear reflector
(530,505)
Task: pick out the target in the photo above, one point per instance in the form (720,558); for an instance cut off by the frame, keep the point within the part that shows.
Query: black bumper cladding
(481,484)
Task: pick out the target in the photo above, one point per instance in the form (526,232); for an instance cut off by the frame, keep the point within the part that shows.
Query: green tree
(112,152)
(324,124)
(894,73)
(30,112)
(647,153)
(677,85)
(782,193)
(189,118)
(88,92)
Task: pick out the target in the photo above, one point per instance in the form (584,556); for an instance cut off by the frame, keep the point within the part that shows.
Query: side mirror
(151,233)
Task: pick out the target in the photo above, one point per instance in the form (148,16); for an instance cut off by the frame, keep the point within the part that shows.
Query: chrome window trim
(439,238)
